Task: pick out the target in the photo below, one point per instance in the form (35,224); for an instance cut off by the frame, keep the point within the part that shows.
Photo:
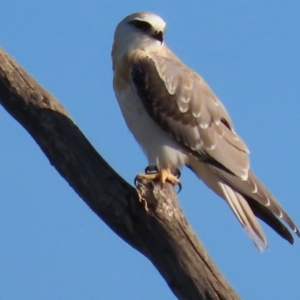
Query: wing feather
(183,105)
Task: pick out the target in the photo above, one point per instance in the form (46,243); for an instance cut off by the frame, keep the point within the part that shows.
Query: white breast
(161,150)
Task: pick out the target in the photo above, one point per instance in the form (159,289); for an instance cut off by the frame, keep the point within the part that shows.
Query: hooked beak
(158,36)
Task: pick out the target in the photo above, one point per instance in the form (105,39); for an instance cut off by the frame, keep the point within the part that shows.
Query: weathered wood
(153,223)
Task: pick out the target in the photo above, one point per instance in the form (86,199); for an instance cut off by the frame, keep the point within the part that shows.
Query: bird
(178,121)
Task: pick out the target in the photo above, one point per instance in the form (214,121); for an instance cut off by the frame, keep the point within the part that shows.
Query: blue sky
(52,245)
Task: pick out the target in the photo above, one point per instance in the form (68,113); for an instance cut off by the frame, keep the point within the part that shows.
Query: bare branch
(153,223)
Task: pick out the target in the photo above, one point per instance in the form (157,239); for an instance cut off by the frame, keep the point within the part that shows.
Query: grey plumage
(166,110)
(178,120)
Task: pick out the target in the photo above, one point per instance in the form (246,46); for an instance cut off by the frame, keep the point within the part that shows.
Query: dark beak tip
(159,36)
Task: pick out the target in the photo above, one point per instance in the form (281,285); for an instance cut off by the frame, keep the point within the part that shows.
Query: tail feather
(244,214)
(247,199)
(266,215)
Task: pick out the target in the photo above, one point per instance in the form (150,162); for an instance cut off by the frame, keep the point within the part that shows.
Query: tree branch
(153,223)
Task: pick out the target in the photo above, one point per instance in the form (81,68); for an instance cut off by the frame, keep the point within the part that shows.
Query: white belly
(161,150)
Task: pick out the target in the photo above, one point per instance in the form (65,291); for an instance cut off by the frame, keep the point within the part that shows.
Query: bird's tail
(244,214)
(247,199)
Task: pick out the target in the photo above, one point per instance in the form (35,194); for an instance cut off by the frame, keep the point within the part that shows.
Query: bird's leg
(151,170)
(163,175)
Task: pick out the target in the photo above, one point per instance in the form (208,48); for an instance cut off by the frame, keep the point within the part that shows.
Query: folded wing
(183,105)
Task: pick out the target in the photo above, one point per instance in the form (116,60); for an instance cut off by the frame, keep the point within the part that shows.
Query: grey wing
(183,105)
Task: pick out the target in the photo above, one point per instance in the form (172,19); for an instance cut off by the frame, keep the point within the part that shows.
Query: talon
(136,180)
(179,187)
(163,175)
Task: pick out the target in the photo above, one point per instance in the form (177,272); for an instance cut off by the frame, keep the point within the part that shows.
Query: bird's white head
(139,31)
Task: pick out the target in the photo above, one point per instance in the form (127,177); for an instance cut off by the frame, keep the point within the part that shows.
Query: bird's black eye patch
(142,25)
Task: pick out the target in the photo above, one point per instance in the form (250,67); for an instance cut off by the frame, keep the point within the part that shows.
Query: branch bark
(153,223)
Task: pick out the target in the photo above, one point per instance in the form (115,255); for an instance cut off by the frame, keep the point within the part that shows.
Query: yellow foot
(163,176)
